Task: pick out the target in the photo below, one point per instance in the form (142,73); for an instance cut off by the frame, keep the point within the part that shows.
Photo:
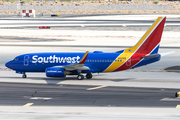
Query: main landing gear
(88,75)
(81,77)
(24,75)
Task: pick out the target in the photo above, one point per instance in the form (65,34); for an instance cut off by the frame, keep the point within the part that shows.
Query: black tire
(177,94)
(89,76)
(80,77)
(24,76)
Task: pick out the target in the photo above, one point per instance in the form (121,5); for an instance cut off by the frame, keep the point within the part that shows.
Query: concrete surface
(144,80)
(88,113)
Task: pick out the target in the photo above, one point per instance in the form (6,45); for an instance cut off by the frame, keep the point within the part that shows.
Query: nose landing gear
(24,75)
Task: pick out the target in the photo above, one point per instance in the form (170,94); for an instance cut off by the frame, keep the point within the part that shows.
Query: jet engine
(55,72)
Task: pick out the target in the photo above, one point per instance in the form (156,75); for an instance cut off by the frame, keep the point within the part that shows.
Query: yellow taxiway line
(28,104)
(178,106)
(96,87)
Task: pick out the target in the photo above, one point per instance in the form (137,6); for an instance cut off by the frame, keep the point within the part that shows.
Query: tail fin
(149,43)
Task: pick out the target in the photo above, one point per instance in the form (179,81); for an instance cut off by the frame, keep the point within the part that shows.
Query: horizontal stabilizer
(151,56)
(167,53)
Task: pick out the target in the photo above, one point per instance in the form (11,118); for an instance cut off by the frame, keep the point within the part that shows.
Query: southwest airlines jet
(62,64)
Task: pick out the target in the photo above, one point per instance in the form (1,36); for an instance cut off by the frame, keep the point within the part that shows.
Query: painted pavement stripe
(96,87)
(40,98)
(178,106)
(28,104)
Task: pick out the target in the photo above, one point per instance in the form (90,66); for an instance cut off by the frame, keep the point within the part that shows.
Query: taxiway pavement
(147,92)
(20,94)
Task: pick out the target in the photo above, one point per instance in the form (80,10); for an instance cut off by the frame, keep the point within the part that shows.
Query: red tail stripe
(151,42)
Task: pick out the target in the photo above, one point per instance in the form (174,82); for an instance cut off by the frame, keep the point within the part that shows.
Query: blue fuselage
(38,62)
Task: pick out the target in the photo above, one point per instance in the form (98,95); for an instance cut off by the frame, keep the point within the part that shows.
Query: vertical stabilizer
(147,45)
(150,41)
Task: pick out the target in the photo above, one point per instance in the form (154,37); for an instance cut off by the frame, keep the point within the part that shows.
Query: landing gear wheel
(88,75)
(80,77)
(24,76)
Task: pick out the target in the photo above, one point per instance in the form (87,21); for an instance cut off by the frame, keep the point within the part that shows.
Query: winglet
(83,60)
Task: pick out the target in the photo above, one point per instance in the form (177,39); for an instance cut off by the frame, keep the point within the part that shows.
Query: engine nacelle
(55,72)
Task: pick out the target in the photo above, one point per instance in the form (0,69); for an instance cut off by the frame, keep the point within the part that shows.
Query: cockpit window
(15,59)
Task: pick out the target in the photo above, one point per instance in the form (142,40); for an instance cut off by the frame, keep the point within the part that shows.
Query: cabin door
(26,60)
(128,62)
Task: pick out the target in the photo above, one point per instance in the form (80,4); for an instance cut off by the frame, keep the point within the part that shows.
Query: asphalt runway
(19,94)
(146,92)
(147,86)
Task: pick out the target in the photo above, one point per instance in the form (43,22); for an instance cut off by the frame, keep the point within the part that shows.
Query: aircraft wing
(79,66)
(76,67)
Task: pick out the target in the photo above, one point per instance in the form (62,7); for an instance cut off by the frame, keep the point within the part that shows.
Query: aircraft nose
(8,64)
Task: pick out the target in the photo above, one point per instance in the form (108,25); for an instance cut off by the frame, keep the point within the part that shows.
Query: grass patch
(156,1)
(24,1)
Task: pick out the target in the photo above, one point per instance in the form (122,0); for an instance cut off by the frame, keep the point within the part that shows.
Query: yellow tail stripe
(146,34)
(122,59)
(84,56)
(130,51)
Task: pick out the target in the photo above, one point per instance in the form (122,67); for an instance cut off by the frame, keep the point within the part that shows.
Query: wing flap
(167,53)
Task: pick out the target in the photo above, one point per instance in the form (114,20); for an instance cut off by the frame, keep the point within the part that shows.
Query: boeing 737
(62,64)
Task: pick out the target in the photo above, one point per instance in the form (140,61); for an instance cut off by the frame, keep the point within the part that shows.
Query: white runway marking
(40,98)
(96,87)
(28,104)
(170,99)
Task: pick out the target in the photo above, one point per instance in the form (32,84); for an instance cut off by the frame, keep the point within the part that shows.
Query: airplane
(56,64)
